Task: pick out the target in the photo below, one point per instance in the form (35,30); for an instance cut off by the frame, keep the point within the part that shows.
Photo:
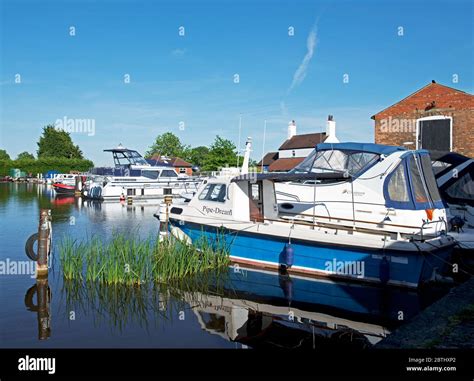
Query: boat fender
(29,247)
(384,270)
(287,256)
(122,197)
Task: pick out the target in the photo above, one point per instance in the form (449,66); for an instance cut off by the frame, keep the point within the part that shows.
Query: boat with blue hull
(407,268)
(402,243)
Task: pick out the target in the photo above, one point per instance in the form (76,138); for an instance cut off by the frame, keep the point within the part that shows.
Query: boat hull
(394,267)
(64,189)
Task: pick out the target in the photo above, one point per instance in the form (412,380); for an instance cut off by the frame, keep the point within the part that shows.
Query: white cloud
(300,73)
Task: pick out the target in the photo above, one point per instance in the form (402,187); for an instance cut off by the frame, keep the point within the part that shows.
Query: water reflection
(42,307)
(255,308)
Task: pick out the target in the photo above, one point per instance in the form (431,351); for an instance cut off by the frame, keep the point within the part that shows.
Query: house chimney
(291,129)
(331,131)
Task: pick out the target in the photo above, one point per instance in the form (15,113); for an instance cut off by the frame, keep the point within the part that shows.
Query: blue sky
(190,78)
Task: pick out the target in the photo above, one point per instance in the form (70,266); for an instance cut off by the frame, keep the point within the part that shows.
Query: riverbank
(448,323)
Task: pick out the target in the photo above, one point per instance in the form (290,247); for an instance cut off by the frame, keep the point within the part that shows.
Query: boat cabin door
(256,201)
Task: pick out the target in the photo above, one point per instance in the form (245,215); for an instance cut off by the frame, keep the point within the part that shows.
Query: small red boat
(61,188)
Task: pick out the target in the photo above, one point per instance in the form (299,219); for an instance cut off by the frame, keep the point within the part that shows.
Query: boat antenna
(238,147)
(248,149)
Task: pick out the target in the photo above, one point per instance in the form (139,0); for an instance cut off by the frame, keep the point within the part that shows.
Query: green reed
(129,260)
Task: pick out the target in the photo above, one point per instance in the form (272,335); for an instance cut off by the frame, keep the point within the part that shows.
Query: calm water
(235,310)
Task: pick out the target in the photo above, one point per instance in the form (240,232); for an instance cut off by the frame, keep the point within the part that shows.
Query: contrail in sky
(300,73)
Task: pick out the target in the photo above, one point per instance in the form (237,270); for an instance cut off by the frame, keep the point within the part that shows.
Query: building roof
(178,162)
(285,164)
(429,97)
(303,141)
(269,158)
(380,149)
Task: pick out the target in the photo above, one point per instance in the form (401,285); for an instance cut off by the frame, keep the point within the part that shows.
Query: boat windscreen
(136,158)
(353,163)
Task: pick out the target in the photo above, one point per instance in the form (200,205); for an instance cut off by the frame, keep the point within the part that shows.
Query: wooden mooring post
(44,243)
(78,187)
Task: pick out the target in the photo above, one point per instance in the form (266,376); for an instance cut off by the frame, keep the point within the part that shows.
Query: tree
(167,144)
(221,154)
(4,155)
(57,143)
(197,155)
(25,156)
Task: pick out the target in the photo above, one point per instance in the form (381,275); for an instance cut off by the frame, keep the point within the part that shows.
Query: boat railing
(350,225)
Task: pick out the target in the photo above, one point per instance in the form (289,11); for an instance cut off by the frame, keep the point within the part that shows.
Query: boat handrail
(351,227)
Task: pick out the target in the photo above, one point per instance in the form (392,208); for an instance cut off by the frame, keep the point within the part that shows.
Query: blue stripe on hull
(405,268)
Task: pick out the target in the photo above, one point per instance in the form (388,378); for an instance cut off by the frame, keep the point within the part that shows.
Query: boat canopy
(455,176)
(288,176)
(126,157)
(379,149)
(351,158)
(412,184)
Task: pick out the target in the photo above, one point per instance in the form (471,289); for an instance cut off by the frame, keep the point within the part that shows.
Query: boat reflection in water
(264,309)
(259,309)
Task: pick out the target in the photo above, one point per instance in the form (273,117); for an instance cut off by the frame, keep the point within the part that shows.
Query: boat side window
(430,179)
(213,192)
(417,181)
(398,186)
(463,188)
(151,174)
(168,173)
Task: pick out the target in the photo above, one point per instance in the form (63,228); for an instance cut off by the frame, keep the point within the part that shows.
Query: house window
(182,170)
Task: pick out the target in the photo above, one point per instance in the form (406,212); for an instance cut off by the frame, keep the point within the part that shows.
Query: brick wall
(396,124)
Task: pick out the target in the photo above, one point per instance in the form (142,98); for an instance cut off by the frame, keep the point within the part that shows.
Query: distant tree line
(221,153)
(56,151)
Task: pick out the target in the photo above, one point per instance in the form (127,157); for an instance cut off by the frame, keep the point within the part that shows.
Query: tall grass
(129,260)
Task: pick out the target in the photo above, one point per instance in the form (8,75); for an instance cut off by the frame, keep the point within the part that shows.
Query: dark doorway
(256,201)
(435,135)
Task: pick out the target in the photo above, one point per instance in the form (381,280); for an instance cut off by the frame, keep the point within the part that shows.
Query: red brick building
(436,117)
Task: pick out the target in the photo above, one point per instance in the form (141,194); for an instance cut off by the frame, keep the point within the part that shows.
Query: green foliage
(25,156)
(46,164)
(57,143)
(129,260)
(197,155)
(222,153)
(4,155)
(167,144)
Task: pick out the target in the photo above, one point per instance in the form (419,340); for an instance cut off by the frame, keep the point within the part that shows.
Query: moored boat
(62,188)
(398,238)
(134,177)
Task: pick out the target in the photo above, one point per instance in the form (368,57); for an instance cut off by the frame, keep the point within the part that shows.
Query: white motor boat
(362,212)
(134,177)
